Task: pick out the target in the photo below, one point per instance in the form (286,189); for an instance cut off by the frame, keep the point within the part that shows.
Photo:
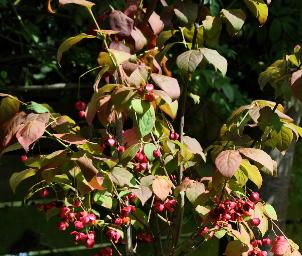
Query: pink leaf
(156,23)
(228,162)
(139,39)
(168,84)
(121,22)
(161,187)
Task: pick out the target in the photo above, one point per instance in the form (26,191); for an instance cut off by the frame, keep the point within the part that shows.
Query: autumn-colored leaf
(156,23)
(71,138)
(236,248)
(168,84)
(296,84)
(161,187)
(32,130)
(139,39)
(260,157)
(228,162)
(49,8)
(143,193)
(121,22)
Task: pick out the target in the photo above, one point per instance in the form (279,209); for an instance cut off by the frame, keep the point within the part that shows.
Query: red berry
(174,136)
(144,166)
(107,251)
(149,97)
(121,149)
(23,158)
(43,193)
(111,142)
(89,243)
(263,253)
(159,207)
(118,221)
(78,225)
(64,211)
(138,168)
(113,235)
(254,197)
(255,221)
(63,225)
(80,105)
(139,156)
(156,153)
(266,241)
(82,114)
(77,203)
(149,87)
(131,196)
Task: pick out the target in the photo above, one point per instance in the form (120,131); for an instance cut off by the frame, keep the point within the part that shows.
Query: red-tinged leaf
(161,187)
(120,56)
(228,162)
(156,23)
(260,157)
(92,106)
(236,248)
(79,2)
(32,130)
(296,84)
(10,128)
(90,172)
(139,39)
(119,46)
(183,186)
(143,193)
(69,42)
(280,246)
(121,22)
(131,136)
(168,84)
(71,138)
(105,111)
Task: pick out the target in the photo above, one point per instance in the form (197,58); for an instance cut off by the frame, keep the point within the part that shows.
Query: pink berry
(89,243)
(255,221)
(144,166)
(80,105)
(149,87)
(156,153)
(63,225)
(82,114)
(263,253)
(254,197)
(23,158)
(111,142)
(266,241)
(78,225)
(159,207)
(118,221)
(77,203)
(64,211)
(139,156)
(174,136)
(121,149)
(43,193)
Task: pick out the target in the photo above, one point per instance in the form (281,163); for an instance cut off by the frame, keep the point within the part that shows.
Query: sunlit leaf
(259,9)
(228,162)
(18,177)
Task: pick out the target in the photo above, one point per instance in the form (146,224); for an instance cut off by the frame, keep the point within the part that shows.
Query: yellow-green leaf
(9,106)
(259,9)
(18,177)
(252,172)
(69,42)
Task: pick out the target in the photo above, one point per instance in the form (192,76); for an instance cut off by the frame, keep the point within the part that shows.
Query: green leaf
(220,233)
(235,19)
(181,17)
(148,150)
(103,198)
(214,58)
(202,210)
(18,177)
(129,154)
(259,9)
(138,105)
(270,211)
(252,172)
(283,138)
(241,177)
(188,61)
(259,213)
(9,106)
(121,176)
(36,107)
(68,43)
(146,121)
(236,248)
(164,36)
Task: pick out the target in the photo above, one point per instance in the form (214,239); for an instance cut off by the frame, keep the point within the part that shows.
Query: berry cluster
(256,251)
(168,205)
(80,106)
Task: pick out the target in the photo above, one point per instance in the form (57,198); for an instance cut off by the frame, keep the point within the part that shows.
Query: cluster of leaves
(132,147)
